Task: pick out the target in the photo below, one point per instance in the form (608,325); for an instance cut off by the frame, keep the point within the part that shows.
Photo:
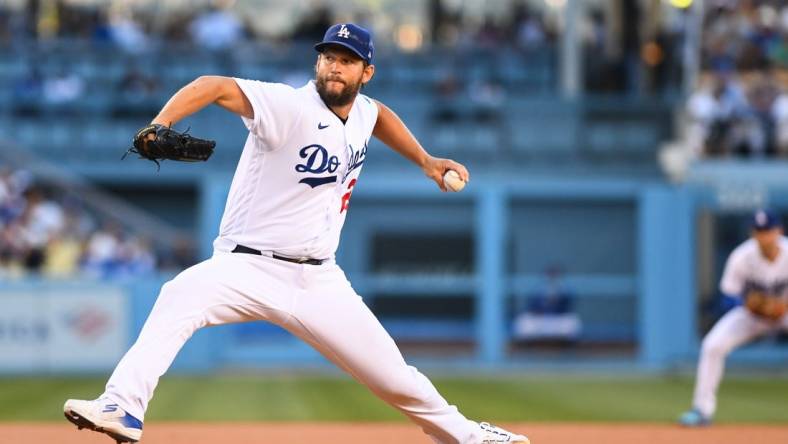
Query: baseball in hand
(453,181)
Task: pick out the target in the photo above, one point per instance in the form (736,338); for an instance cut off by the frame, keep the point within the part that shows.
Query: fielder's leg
(734,329)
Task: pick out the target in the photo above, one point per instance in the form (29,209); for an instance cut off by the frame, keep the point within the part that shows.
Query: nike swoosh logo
(321,126)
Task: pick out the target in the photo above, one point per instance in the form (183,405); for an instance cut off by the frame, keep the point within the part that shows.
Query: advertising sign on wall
(62,330)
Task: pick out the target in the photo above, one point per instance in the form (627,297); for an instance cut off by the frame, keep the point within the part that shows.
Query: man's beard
(342,98)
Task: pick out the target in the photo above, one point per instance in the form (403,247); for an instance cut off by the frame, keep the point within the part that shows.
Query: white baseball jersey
(292,186)
(747,269)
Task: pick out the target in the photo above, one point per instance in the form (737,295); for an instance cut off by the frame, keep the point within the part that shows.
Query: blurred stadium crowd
(631,61)
(47,231)
(78,58)
(219,25)
(741,107)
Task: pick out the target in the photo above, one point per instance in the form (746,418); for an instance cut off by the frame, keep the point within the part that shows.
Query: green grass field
(330,398)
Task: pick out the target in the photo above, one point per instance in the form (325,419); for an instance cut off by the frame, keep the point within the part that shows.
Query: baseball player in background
(757,274)
(274,256)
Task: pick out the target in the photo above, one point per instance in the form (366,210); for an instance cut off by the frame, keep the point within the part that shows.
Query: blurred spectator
(216,28)
(487,98)
(779,52)
(78,220)
(64,251)
(528,29)
(42,231)
(12,205)
(102,32)
(780,113)
(126,33)
(12,202)
(762,96)
(480,102)
(70,19)
(135,257)
(20,181)
(549,314)
(102,251)
(113,253)
(5,191)
(763,36)
(11,252)
(177,27)
(718,56)
(63,88)
(45,216)
(41,220)
(716,113)
(445,23)
(62,255)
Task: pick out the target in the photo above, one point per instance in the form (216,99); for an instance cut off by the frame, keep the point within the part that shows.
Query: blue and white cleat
(694,418)
(496,435)
(104,416)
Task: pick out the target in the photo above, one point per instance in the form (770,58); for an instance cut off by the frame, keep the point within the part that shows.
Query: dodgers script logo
(317,161)
(355,159)
(779,287)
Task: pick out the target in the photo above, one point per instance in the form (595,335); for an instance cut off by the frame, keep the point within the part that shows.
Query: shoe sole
(83,423)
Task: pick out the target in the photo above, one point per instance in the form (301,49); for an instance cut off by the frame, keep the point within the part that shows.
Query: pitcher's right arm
(203,91)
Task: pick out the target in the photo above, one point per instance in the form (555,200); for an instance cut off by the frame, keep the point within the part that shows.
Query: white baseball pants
(736,328)
(314,302)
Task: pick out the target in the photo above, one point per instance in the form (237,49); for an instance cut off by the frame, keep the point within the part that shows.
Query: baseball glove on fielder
(167,143)
(765,305)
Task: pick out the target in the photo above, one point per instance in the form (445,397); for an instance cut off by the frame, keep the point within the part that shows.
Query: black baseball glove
(157,142)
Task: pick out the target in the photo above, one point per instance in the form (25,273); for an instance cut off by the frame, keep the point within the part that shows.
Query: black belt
(303,260)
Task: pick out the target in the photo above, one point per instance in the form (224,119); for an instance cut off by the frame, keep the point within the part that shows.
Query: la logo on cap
(761,218)
(343,32)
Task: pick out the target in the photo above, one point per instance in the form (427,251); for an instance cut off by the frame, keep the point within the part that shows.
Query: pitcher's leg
(378,364)
(168,327)
(214,292)
(735,328)
(339,325)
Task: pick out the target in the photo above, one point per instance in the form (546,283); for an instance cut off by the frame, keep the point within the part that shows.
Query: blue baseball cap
(352,37)
(764,219)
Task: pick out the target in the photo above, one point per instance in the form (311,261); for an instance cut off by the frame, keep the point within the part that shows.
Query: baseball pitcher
(274,256)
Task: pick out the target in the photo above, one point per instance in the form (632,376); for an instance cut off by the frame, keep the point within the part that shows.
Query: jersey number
(346,197)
